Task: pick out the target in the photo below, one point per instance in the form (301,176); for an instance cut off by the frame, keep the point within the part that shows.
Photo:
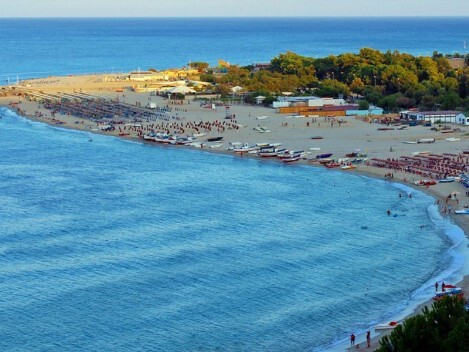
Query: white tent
(181,90)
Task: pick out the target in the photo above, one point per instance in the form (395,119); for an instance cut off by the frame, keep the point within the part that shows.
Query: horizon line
(230,17)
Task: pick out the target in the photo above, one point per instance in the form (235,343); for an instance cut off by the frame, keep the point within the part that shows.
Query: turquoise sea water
(114,245)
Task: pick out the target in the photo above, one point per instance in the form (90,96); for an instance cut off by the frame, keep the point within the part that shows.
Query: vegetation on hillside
(392,80)
(443,328)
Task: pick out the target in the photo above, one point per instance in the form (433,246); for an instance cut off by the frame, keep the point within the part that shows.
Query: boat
(294,116)
(269,152)
(246,148)
(289,153)
(348,167)
(214,139)
(324,156)
(195,135)
(449,291)
(261,117)
(447,179)
(324,161)
(426,140)
(291,158)
(331,165)
(462,212)
(410,142)
(182,140)
(149,137)
(425,183)
(387,326)
(317,137)
(453,139)
(315,148)
(268,145)
(215,146)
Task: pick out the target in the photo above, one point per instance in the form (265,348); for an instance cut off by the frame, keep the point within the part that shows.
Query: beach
(245,126)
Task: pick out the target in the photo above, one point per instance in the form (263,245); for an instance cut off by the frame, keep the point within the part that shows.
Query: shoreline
(438,192)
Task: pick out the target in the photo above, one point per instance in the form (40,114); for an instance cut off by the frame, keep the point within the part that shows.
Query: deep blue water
(38,47)
(112,245)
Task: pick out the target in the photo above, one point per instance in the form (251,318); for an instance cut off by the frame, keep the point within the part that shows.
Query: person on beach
(443,287)
(352,340)
(436,286)
(368,339)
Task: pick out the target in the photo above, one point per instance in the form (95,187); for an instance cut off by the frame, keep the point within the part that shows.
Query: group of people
(443,286)
(368,340)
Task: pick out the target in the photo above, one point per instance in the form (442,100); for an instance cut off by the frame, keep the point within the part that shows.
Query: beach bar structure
(316,106)
(449,116)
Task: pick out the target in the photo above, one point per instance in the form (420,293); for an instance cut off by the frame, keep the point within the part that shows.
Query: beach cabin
(437,117)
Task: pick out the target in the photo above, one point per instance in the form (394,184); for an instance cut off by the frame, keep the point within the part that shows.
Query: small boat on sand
(462,212)
(317,137)
(387,326)
(214,139)
(425,183)
(449,291)
(426,140)
(447,179)
(291,158)
(324,156)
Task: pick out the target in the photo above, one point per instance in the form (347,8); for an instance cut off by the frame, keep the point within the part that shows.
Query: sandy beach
(250,125)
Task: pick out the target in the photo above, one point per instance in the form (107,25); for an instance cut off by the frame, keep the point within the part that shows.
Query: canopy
(180,89)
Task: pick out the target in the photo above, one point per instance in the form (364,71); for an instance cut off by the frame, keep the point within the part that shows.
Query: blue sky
(208,8)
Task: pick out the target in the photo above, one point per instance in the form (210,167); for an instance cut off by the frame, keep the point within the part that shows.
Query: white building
(309,101)
(436,116)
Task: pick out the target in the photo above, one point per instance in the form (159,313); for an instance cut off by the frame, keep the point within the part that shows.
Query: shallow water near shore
(111,245)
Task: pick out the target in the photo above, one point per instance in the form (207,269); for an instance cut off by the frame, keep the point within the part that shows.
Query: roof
(443,112)
(181,89)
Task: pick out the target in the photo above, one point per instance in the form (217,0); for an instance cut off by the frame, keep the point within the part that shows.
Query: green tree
(428,102)
(444,328)
(363,105)
(200,66)
(332,88)
(373,97)
(450,101)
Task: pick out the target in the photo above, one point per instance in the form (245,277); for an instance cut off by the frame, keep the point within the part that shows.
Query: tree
(389,103)
(428,69)
(363,105)
(200,66)
(332,88)
(357,85)
(428,102)
(444,328)
(398,78)
(405,102)
(450,101)
(292,64)
(373,97)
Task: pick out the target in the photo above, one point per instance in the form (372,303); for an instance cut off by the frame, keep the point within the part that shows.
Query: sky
(231,8)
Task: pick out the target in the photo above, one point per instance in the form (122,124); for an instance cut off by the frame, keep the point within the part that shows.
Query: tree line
(391,80)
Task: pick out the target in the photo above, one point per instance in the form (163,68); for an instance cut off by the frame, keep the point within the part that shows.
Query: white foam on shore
(454,273)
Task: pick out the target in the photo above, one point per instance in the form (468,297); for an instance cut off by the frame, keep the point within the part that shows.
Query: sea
(113,245)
